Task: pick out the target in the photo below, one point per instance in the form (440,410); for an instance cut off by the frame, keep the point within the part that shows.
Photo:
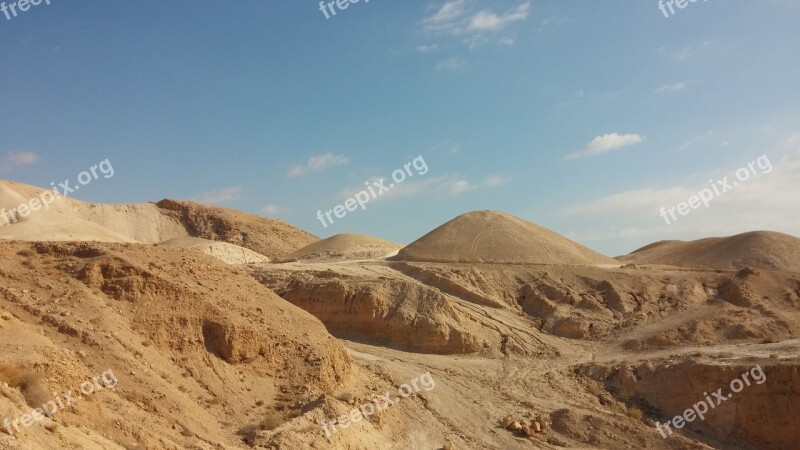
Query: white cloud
(451,64)
(508,41)
(631,219)
(596,98)
(765,194)
(444,186)
(459,17)
(448,12)
(489,21)
(671,88)
(697,139)
(428,48)
(690,51)
(221,196)
(647,200)
(495,180)
(274,209)
(458,186)
(317,163)
(19,159)
(606,143)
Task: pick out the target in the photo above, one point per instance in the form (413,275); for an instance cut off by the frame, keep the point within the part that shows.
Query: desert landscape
(400,225)
(227,330)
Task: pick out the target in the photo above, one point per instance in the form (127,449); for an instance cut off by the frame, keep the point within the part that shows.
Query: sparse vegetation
(271,421)
(635,413)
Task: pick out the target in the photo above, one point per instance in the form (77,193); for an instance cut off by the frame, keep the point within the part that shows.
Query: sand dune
(496,237)
(344,247)
(759,249)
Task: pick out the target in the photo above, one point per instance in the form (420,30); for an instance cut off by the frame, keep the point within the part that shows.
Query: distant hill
(67,219)
(342,247)
(496,237)
(758,249)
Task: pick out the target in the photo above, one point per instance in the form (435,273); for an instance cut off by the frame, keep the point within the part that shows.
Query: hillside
(757,249)
(496,237)
(342,247)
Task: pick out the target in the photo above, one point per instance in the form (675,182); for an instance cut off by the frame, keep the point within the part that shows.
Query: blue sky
(585,117)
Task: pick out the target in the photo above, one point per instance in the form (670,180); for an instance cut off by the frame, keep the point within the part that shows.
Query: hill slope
(760,249)
(344,247)
(496,237)
(67,219)
(270,237)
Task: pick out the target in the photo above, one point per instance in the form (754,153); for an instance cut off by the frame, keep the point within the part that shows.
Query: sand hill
(227,253)
(185,335)
(759,249)
(496,237)
(67,219)
(345,247)
(270,237)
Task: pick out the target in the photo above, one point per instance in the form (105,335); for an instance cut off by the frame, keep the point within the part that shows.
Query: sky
(585,117)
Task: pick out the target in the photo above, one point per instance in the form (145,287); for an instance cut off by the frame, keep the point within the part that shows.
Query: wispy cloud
(765,202)
(592,97)
(690,51)
(221,196)
(490,21)
(440,187)
(459,17)
(606,143)
(317,163)
(446,16)
(428,48)
(451,65)
(495,180)
(14,160)
(671,88)
(273,209)
(696,139)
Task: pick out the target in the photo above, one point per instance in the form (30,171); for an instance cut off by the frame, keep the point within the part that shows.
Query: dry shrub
(26,253)
(635,413)
(271,421)
(32,385)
